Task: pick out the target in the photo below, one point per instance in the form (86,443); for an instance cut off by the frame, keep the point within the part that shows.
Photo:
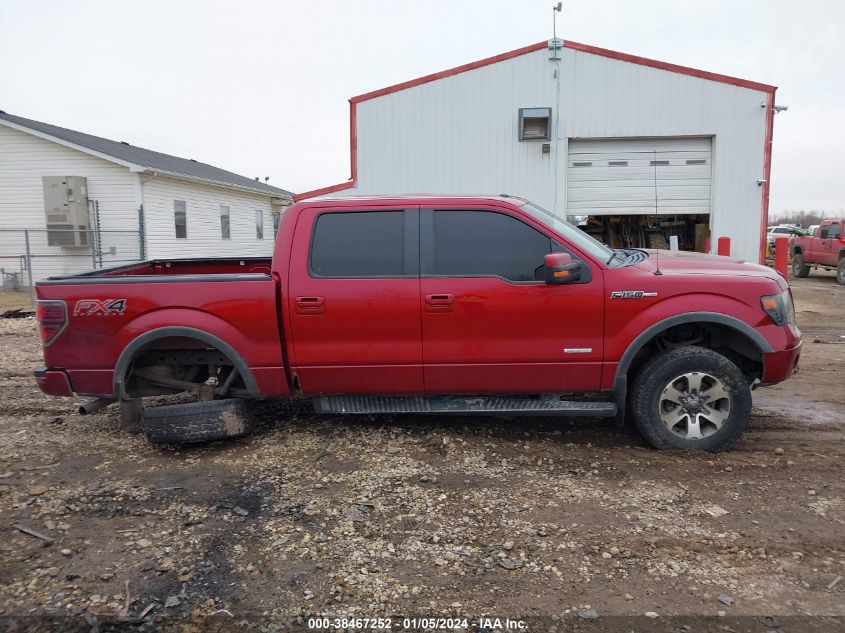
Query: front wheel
(690,398)
(840,272)
(799,268)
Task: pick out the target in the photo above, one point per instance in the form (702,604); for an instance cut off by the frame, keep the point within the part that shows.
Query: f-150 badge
(631,294)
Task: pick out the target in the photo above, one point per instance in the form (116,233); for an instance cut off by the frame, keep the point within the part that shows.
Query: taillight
(52,319)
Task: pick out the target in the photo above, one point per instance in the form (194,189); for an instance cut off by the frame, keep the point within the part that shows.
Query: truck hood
(689,263)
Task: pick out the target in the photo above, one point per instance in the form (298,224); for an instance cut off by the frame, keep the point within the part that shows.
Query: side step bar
(545,405)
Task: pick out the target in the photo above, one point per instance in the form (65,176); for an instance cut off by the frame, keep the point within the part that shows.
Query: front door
(831,255)
(489,324)
(354,301)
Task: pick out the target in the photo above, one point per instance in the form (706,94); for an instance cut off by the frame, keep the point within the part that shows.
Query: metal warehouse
(634,149)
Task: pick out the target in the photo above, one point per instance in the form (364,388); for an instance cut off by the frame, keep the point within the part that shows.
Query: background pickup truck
(825,248)
(437,305)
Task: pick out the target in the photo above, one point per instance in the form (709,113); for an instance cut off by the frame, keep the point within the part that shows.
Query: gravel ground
(411,516)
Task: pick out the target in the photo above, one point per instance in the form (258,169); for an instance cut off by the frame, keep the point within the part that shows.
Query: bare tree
(801,218)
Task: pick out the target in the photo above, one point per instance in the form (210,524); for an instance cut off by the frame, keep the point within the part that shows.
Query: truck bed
(170,267)
(226,303)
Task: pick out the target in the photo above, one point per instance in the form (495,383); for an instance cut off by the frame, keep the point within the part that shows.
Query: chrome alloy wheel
(694,405)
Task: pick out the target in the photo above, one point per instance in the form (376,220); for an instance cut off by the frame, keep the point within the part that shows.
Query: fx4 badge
(96,307)
(631,294)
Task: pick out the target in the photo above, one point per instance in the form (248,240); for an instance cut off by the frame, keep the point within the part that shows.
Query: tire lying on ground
(691,398)
(197,421)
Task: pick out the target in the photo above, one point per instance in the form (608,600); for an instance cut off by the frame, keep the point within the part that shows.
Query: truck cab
(824,249)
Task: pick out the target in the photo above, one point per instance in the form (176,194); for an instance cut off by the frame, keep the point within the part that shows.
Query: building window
(535,124)
(277,217)
(259,225)
(180,218)
(225,226)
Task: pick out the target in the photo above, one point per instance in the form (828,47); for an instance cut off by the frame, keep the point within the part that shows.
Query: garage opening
(638,193)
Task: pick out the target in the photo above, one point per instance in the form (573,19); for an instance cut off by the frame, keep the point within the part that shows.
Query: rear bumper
(778,366)
(53,382)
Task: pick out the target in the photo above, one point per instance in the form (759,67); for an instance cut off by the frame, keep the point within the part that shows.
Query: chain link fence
(29,255)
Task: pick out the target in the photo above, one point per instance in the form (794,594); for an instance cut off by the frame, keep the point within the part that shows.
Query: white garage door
(621,177)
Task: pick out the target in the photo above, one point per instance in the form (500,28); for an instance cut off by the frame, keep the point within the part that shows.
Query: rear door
(489,325)
(353,303)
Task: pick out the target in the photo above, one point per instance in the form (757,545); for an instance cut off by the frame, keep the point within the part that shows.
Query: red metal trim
(353,140)
(452,71)
(353,161)
(584,48)
(675,68)
(767,171)
(321,192)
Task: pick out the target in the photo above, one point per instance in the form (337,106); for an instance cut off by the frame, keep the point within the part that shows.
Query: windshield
(572,233)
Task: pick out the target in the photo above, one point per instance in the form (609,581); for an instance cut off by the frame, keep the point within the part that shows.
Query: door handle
(310,305)
(439,303)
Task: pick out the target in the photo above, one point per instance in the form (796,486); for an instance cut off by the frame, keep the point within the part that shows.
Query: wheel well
(177,359)
(723,339)
(159,367)
(797,250)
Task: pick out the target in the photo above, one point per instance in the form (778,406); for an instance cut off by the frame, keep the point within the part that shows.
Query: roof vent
(124,143)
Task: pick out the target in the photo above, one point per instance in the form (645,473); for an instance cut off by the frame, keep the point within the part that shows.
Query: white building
(87,201)
(582,131)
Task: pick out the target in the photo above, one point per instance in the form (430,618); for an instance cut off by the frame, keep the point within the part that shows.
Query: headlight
(779,307)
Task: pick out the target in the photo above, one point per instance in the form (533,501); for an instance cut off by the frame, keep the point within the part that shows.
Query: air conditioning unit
(66,209)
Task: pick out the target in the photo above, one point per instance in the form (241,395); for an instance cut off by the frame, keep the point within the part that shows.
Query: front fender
(633,344)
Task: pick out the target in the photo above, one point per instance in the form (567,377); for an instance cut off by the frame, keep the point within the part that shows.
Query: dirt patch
(426,516)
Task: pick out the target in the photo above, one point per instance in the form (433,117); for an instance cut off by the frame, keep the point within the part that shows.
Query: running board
(463,404)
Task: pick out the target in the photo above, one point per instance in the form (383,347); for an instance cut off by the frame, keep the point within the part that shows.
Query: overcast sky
(261,88)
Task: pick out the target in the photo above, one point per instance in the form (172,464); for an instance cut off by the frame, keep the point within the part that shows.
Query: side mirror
(562,269)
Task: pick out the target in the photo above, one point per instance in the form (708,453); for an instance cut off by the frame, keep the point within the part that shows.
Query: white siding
(203,216)
(24,159)
(458,134)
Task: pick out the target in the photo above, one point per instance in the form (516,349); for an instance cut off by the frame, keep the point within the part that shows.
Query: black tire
(799,268)
(658,374)
(197,422)
(840,272)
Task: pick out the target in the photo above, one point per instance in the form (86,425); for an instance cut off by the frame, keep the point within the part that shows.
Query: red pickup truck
(825,248)
(439,305)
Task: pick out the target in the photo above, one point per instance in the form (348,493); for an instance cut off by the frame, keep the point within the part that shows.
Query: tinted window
(833,233)
(473,243)
(363,244)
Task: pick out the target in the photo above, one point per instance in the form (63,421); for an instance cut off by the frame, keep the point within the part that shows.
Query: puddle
(804,411)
